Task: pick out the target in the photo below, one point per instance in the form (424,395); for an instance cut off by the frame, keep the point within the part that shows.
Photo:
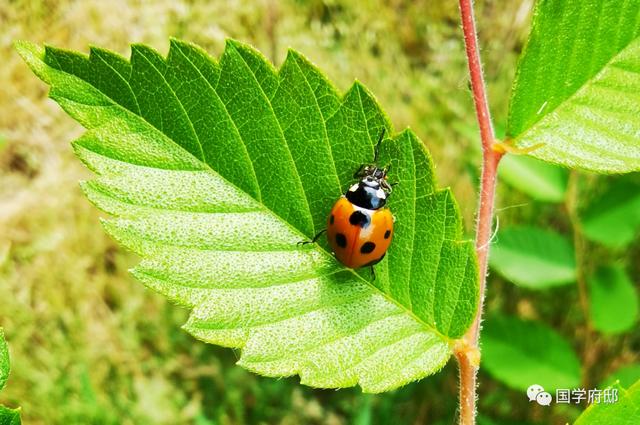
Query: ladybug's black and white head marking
(372,190)
(370,193)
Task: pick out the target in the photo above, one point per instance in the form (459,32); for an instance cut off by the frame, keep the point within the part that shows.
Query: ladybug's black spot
(341,240)
(332,219)
(358,218)
(367,248)
(387,234)
(374,262)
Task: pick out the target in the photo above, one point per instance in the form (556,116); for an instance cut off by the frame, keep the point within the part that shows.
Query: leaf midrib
(575,93)
(208,168)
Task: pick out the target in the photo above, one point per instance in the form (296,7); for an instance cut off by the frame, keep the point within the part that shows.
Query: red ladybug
(359,227)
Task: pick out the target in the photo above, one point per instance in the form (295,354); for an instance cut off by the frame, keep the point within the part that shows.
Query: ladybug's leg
(373,272)
(388,186)
(315,238)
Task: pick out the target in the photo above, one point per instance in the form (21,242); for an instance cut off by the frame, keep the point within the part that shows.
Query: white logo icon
(533,391)
(543,398)
(536,393)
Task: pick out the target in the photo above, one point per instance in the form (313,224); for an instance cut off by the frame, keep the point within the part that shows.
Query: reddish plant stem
(475,72)
(467,352)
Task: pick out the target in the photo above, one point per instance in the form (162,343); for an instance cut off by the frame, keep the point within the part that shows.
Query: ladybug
(359,227)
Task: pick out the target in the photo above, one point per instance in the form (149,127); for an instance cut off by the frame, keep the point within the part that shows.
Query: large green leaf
(534,258)
(577,84)
(522,353)
(613,300)
(215,170)
(625,411)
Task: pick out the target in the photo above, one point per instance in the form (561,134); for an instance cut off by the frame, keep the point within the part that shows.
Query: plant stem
(571,204)
(467,353)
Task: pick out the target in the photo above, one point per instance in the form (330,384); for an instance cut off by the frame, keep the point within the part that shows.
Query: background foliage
(85,336)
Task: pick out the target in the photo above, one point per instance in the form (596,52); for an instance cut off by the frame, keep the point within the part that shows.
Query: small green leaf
(577,83)
(9,416)
(214,172)
(522,353)
(627,375)
(534,258)
(613,301)
(625,411)
(613,219)
(5,366)
(541,181)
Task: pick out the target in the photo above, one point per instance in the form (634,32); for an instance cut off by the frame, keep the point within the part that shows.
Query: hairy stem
(571,204)
(467,353)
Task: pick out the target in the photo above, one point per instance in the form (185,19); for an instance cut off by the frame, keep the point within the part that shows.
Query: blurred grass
(92,346)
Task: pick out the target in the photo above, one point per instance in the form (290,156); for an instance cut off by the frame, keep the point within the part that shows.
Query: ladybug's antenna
(375,157)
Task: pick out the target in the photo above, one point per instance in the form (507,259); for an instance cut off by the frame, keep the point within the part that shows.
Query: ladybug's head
(372,190)
(372,173)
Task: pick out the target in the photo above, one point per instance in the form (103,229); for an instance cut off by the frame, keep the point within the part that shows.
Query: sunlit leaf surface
(577,84)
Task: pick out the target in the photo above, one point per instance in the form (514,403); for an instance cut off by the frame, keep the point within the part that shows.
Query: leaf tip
(176,43)
(366,97)
(138,45)
(296,56)
(113,229)
(233,43)
(362,89)
(85,187)
(24,47)
(82,153)
(32,54)
(406,133)
(195,332)
(139,273)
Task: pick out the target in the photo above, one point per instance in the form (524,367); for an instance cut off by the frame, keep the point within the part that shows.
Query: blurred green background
(89,345)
